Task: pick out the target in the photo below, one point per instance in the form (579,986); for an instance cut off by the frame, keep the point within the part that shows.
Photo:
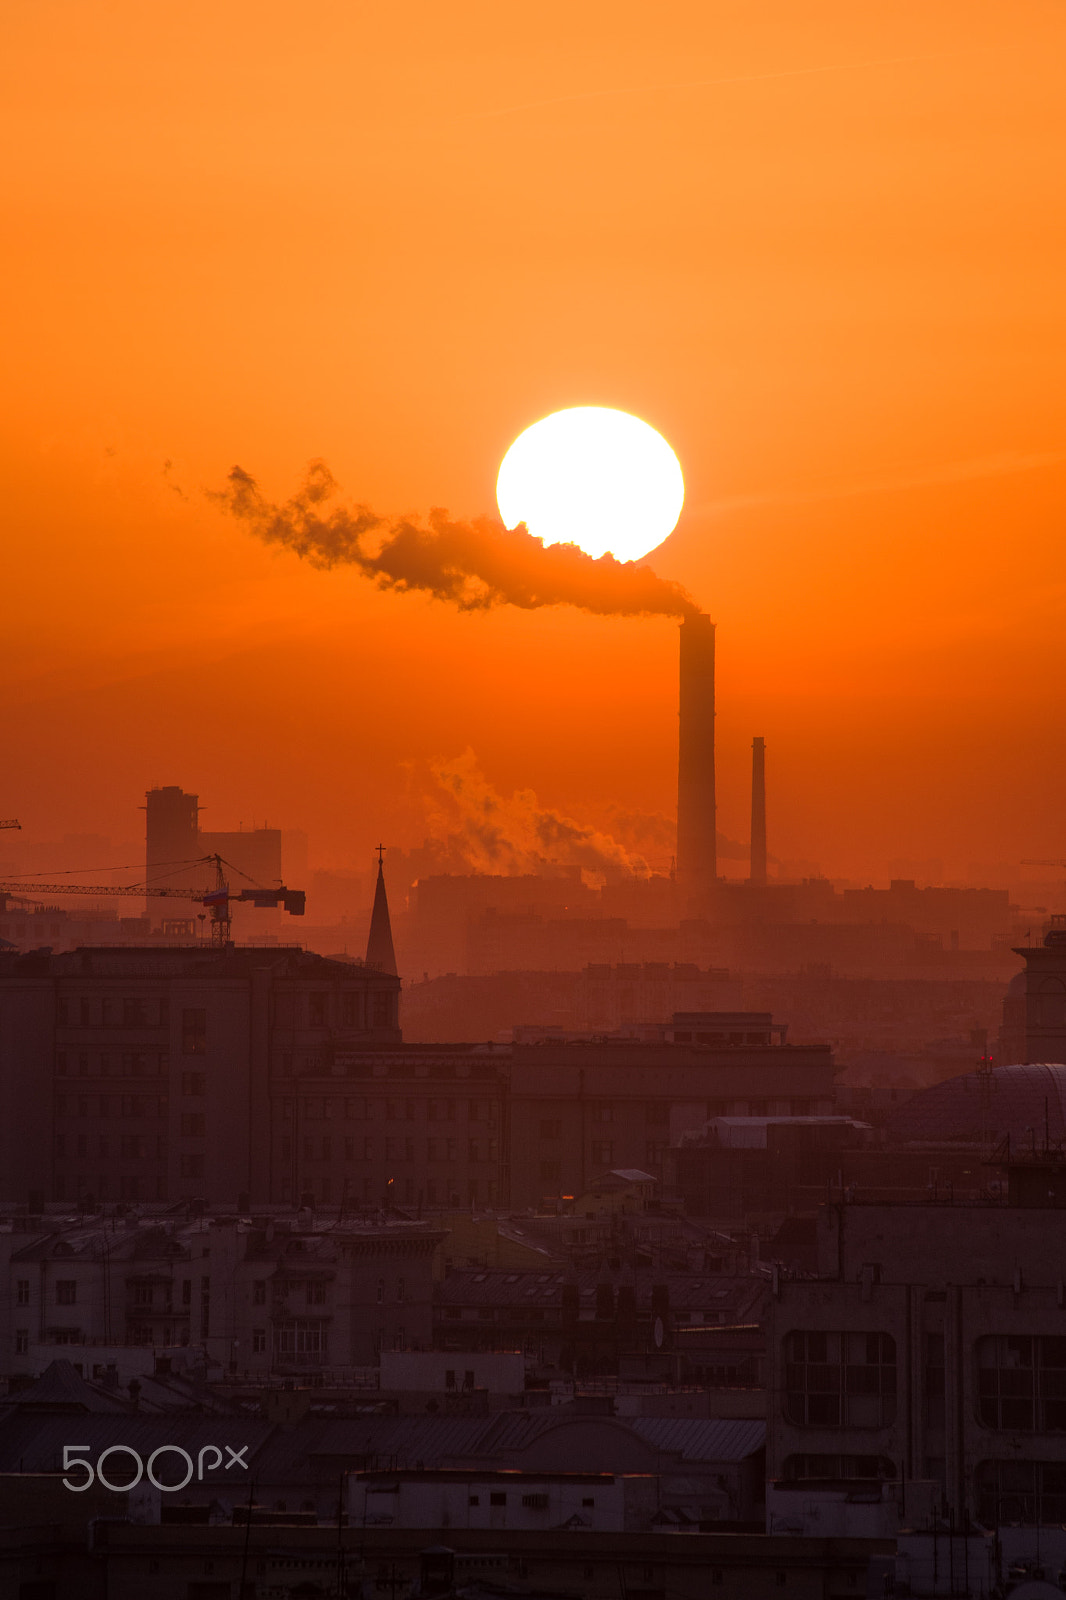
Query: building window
(259,1292)
(22,1292)
(835,1380)
(603,1152)
(838,1468)
(194,1031)
(193,1083)
(381,1291)
(1021,1382)
(316,1010)
(259,1341)
(66,1292)
(191,1166)
(550,1171)
(1032,1493)
(301,1341)
(497,1499)
(192,1125)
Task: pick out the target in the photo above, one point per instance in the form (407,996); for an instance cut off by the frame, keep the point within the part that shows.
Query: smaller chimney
(758,812)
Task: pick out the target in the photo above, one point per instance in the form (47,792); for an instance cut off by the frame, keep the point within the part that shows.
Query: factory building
(697,859)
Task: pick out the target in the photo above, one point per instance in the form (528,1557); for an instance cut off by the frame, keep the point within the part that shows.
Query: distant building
(175,845)
(277,1298)
(153,1074)
(586,1320)
(738,1168)
(587,1107)
(1034,1010)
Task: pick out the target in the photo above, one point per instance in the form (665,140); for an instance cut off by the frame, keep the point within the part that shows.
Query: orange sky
(822,248)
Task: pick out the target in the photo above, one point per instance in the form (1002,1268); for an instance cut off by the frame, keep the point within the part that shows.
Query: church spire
(379,951)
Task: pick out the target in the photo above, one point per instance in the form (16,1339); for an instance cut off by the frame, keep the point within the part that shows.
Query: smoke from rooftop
(474,565)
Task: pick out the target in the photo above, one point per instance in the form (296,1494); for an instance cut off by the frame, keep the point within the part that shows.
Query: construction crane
(217,898)
(11,822)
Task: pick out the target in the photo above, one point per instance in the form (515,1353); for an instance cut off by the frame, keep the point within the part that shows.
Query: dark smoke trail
(475,565)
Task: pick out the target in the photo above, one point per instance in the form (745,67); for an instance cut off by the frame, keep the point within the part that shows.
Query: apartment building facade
(931,1347)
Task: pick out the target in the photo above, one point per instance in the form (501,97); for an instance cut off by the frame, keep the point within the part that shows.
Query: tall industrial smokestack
(697,860)
(758,811)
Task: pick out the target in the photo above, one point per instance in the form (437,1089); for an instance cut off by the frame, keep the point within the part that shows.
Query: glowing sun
(592,477)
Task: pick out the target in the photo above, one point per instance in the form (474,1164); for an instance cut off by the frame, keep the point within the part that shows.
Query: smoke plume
(474,565)
(477,829)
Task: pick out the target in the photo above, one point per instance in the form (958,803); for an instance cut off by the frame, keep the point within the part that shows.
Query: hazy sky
(821,248)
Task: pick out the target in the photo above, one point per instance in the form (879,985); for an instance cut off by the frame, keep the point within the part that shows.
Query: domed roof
(1017,983)
(981,1106)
